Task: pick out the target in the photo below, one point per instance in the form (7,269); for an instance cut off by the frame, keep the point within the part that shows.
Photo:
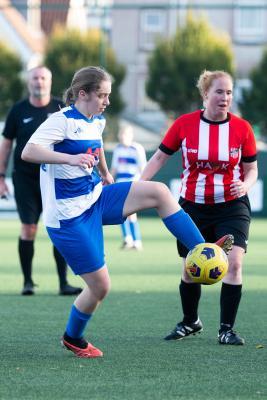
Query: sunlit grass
(142,307)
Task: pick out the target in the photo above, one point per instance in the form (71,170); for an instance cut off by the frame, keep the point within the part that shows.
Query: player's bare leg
(98,285)
(144,195)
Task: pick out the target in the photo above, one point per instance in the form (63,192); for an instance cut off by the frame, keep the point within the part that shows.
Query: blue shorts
(80,240)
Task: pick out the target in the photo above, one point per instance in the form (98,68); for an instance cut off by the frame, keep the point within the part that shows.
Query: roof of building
(54,14)
(33,39)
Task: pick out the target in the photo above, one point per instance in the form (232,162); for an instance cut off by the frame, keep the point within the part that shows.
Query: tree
(70,50)
(176,64)
(10,82)
(253,104)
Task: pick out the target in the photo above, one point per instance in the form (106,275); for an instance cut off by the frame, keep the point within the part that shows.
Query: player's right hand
(82,160)
(4,192)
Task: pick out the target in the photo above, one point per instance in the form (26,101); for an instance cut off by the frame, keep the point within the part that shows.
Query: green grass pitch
(129,326)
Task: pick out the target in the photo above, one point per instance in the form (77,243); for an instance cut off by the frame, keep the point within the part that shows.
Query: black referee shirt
(22,121)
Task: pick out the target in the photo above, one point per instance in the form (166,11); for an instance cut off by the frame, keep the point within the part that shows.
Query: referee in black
(22,121)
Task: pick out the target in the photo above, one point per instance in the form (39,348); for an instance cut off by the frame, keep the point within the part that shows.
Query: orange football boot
(87,352)
(226,243)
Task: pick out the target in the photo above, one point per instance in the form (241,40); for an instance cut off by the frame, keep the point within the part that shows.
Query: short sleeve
(249,149)
(114,160)
(172,140)
(51,131)
(141,157)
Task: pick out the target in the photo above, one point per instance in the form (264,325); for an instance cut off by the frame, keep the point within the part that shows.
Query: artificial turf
(129,327)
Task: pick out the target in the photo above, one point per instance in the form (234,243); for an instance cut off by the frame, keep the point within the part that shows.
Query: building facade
(137,25)
(21,37)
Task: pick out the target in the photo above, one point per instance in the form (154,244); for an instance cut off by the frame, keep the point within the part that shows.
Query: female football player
(128,161)
(77,202)
(219,167)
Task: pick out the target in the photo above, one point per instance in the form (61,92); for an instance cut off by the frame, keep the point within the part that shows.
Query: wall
(172,170)
(169,175)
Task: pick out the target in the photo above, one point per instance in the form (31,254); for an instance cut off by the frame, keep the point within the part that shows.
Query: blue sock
(135,230)
(125,228)
(77,323)
(184,229)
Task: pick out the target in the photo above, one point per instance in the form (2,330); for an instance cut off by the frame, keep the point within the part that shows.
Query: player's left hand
(238,188)
(107,179)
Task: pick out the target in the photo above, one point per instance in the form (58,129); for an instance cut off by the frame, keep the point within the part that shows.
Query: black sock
(229,302)
(82,343)
(26,252)
(190,294)
(61,267)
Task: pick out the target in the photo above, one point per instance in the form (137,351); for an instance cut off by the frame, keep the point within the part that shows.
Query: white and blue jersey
(75,207)
(68,191)
(128,161)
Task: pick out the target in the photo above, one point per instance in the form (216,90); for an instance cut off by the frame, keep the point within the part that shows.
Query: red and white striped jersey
(212,152)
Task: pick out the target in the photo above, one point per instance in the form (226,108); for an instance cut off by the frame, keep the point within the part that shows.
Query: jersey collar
(214,122)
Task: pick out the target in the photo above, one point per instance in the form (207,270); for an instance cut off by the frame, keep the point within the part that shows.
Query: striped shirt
(212,154)
(128,161)
(68,191)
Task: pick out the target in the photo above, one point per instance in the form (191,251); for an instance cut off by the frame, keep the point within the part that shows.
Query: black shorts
(216,220)
(28,197)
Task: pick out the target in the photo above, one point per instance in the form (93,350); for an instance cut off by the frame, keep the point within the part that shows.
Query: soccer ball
(206,263)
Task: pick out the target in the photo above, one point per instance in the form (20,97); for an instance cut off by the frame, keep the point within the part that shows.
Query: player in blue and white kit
(77,202)
(128,161)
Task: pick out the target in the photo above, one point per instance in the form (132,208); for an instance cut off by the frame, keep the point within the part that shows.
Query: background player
(128,161)
(219,167)
(22,120)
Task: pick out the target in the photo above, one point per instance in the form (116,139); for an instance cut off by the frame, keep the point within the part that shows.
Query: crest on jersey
(234,152)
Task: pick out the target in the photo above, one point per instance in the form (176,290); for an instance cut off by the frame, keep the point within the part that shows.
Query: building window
(250,21)
(153,25)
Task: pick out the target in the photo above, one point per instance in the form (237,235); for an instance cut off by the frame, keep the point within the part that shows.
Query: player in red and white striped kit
(219,167)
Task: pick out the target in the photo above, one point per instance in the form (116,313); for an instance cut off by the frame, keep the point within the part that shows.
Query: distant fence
(171,171)
(170,175)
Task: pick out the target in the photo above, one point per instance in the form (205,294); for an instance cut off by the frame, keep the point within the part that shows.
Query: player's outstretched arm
(103,169)
(38,154)
(155,163)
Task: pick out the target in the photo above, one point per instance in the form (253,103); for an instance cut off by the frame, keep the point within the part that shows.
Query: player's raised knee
(161,190)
